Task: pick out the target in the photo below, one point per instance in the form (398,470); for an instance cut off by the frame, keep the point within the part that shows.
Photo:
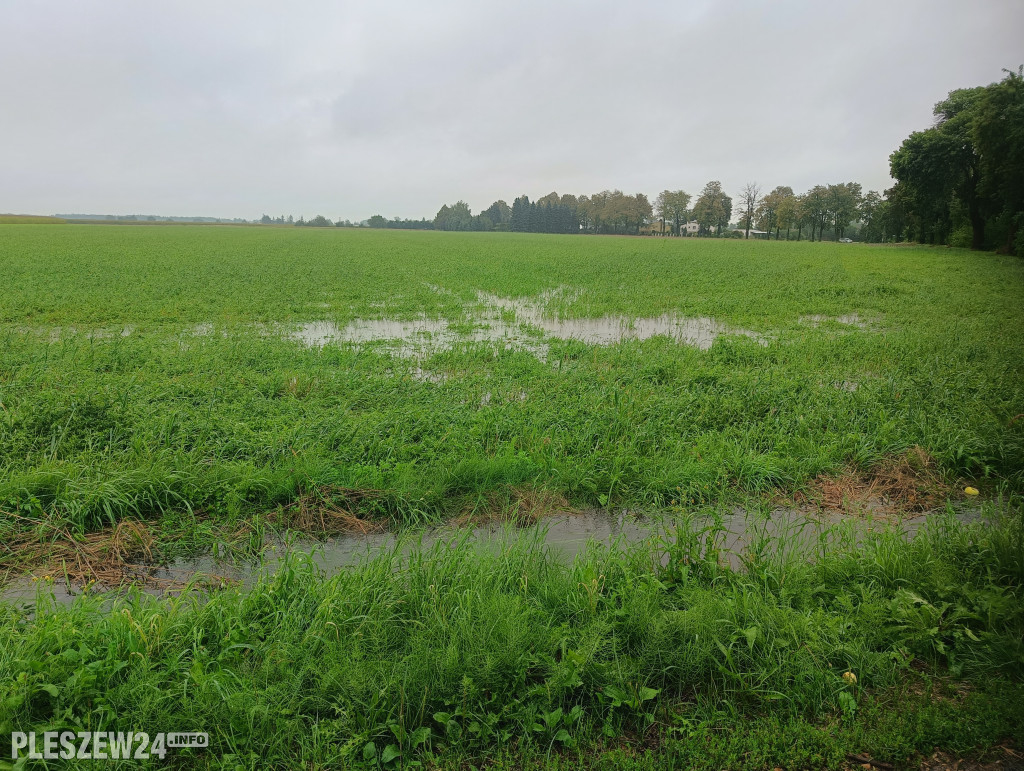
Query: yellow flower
(970,490)
(850,677)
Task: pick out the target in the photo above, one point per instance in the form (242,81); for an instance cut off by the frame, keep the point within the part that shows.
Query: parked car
(846,240)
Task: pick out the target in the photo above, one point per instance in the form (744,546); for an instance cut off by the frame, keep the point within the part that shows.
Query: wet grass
(135,379)
(453,654)
(148,403)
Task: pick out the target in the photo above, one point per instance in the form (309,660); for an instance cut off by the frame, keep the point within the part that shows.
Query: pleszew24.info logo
(101,745)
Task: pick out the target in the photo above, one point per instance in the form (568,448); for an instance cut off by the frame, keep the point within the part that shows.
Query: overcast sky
(348,109)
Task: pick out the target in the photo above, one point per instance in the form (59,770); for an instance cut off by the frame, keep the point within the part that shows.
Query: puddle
(515,324)
(415,338)
(564,536)
(320,333)
(59,334)
(427,376)
(204,329)
(106,334)
(518,396)
(698,332)
(850,319)
(608,330)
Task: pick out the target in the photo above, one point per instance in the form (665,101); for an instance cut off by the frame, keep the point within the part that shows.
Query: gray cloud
(349,109)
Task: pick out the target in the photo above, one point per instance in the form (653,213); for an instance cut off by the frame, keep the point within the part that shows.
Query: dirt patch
(909,484)
(1007,759)
(106,557)
(126,553)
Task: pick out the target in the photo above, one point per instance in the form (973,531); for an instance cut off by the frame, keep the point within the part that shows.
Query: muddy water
(526,324)
(564,536)
(513,324)
(416,337)
(849,319)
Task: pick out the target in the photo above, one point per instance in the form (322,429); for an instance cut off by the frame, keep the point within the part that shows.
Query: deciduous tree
(713,208)
(750,196)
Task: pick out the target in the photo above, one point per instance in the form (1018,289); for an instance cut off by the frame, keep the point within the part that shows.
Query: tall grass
(95,426)
(460,651)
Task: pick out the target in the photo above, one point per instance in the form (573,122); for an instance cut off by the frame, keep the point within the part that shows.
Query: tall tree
(583,213)
(641,210)
(787,212)
(671,205)
(998,136)
(455,217)
(941,167)
(497,216)
(520,219)
(713,208)
(768,212)
(750,196)
(815,209)
(872,216)
(661,211)
(843,202)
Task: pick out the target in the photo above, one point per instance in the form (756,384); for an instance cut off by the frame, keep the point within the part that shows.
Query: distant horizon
(396,110)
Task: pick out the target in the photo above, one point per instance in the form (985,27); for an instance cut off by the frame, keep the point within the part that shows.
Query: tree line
(610,211)
(824,211)
(959,182)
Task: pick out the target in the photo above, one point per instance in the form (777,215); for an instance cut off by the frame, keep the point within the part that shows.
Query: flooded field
(253,433)
(734,535)
(512,324)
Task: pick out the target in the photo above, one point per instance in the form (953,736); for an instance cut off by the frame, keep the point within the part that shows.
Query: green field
(97,426)
(158,378)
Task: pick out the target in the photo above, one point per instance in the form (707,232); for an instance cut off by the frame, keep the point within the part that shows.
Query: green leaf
(369,751)
(51,689)
(648,693)
(563,736)
(552,718)
(390,753)
(617,695)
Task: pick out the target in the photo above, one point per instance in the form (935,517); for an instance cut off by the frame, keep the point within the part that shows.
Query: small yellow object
(970,491)
(850,677)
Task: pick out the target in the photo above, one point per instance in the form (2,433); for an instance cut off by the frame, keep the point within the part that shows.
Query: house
(691,228)
(753,233)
